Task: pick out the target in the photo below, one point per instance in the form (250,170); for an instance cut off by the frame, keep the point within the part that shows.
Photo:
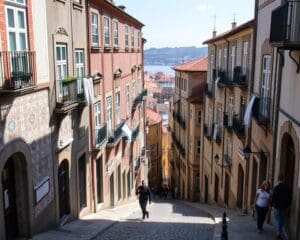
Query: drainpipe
(94,209)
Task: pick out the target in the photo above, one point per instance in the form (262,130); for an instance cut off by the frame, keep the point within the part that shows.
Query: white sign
(42,189)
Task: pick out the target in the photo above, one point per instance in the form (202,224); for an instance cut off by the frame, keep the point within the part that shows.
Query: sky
(182,23)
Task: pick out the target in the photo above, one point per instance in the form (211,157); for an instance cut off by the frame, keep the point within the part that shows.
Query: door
(290,164)
(216,188)
(206,190)
(9,200)
(82,182)
(226,193)
(112,190)
(63,185)
(240,190)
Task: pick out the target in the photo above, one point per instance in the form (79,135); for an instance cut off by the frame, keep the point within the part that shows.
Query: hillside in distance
(172,56)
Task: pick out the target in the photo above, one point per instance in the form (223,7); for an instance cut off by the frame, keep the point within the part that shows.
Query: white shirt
(263,199)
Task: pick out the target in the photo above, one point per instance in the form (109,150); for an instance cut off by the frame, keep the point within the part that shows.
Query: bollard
(224,235)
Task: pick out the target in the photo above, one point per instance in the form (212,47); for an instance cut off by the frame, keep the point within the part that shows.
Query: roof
(230,32)
(197,65)
(152,117)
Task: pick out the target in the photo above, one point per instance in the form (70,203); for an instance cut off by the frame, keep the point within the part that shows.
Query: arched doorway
(63,188)
(15,197)
(240,189)
(254,180)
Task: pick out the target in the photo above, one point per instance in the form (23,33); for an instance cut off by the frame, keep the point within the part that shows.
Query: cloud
(204,8)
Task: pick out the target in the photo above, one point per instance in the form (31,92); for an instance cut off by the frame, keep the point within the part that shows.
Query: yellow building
(186,121)
(154,147)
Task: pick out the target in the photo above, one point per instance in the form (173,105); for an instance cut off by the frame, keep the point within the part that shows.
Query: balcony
(179,119)
(261,110)
(135,133)
(17,71)
(137,101)
(100,136)
(70,94)
(228,121)
(208,131)
(224,79)
(208,89)
(116,136)
(240,77)
(239,127)
(178,145)
(285,23)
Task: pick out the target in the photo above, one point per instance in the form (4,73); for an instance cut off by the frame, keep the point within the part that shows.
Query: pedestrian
(281,201)
(261,204)
(144,195)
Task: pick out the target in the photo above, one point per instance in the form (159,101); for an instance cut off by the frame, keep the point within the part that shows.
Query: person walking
(261,204)
(281,201)
(144,195)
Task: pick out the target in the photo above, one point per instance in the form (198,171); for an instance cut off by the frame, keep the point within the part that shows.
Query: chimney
(233,25)
(214,33)
(122,7)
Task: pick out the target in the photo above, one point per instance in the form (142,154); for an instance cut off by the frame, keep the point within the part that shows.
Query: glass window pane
(21,19)
(76,57)
(10,18)
(63,53)
(22,39)
(58,55)
(21,1)
(12,41)
(64,71)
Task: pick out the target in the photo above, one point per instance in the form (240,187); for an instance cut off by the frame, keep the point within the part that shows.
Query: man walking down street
(282,198)
(144,194)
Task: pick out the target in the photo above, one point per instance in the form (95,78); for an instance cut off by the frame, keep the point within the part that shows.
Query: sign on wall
(42,189)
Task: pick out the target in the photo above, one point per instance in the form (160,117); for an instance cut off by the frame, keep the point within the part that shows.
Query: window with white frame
(127,100)
(106,32)
(95,29)
(61,66)
(97,114)
(109,116)
(232,61)
(118,107)
(126,36)
(198,146)
(132,37)
(79,63)
(265,86)
(77,1)
(245,57)
(116,34)
(16,27)
(229,148)
(22,2)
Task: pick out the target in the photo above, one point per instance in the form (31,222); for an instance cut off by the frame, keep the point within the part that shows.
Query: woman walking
(262,203)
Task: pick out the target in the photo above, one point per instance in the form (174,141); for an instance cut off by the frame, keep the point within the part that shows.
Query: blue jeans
(280,216)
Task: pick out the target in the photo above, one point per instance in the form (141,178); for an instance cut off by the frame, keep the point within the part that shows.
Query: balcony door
(109,116)
(265,85)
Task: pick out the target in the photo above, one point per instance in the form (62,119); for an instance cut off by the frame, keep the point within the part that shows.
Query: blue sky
(177,23)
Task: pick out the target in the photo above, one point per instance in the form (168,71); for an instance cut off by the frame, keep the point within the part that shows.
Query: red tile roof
(230,32)
(197,65)
(152,117)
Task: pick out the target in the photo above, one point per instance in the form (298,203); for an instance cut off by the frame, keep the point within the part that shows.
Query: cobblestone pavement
(168,220)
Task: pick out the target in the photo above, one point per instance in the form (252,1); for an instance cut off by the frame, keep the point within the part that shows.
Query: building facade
(186,129)
(224,168)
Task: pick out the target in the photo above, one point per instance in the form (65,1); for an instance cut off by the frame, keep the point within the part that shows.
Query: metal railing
(224,79)
(116,135)
(261,110)
(100,134)
(285,25)
(17,70)
(137,101)
(227,160)
(218,137)
(69,91)
(240,77)
(179,119)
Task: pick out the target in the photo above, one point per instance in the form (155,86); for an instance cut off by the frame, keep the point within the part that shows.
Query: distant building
(186,127)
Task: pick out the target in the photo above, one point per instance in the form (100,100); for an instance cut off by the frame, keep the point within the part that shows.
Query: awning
(127,131)
(247,116)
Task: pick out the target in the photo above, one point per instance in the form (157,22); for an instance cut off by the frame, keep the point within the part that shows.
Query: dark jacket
(144,193)
(282,196)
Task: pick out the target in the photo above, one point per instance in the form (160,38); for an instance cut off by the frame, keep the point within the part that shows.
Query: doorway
(254,180)
(206,190)
(63,188)
(112,190)
(227,186)
(216,197)
(240,189)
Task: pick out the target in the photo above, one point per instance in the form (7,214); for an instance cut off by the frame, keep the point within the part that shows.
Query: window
(230,111)
(198,148)
(127,100)
(95,29)
(109,115)
(265,86)
(139,39)
(106,32)
(23,2)
(229,148)
(225,58)
(219,116)
(99,173)
(232,61)
(116,34)
(118,107)
(220,58)
(79,63)
(97,114)
(82,181)
(242,107)
(198,119)
(126,37)
(132,37)
(61,66)
(16,25)
(245,57)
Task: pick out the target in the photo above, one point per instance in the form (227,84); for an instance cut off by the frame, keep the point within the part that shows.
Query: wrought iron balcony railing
(178,144)
(217,134)
(17,70)
(178,118)
(116,135)
(239,127)
(100,135)
(240,77)
(224,80)
(227,160)
(208,89)
(137,101)
(261,110)
(285,25)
